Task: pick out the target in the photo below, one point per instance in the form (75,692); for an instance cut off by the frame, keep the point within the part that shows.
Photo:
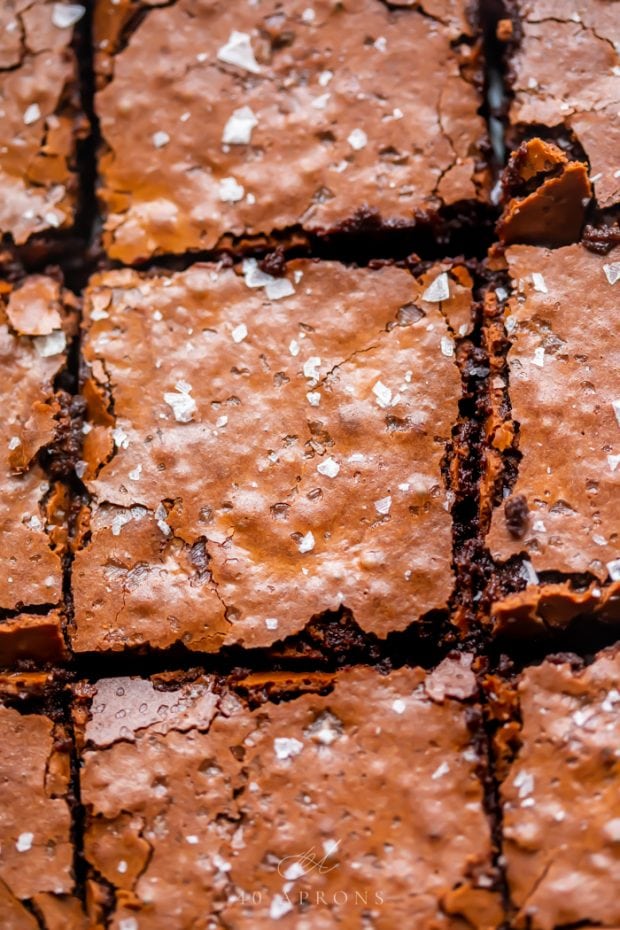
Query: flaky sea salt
(160,139)
(539,283)
(328,467)
(238,51)
(382,393)
(287,747)
(306,543)
(439,290)
(32,114)
(65,15)
(384,505)
(357,139)
(612,272)
(238,129)
(230,191)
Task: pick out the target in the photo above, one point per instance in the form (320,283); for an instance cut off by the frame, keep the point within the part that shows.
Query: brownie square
(553,440)
(561,819)
(262,450)
(37,880)
(41,117)
(349,801)
(37,322)
(246,119)
(565,76)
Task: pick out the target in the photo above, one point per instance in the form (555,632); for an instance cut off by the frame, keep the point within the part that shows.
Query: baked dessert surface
(309,569)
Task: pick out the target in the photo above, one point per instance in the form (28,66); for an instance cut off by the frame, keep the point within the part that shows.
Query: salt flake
(382,393)
(24,842)
(239,333)
(614,569)
(230,191)
(160,139)
(238,129)
(357,139)
(439,290)
(384,505)
(183,406)
(539,283)
(32,114)
(66,15)
(287,747)
(329,467)
(306,543)
(238,51)
(612,272)
(447,346)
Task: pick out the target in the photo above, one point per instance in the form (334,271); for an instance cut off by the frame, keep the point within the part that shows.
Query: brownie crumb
(517,516)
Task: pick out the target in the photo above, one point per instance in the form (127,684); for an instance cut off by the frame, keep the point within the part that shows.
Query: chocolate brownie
(565,77)
(262,450)
(37,880)
(37,321)
(246,119)
(553,439)
(41,117)
(561,819)
(356,806)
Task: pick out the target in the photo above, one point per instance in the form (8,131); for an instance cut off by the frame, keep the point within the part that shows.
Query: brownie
(37,880)
(41,117)
(561,820)
(564,77)
(355,805)
(265,449)
(37,322)
(248,119)
(546,196)
(552,440)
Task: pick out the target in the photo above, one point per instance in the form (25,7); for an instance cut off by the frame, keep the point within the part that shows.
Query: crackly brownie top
(264,449)
(247,118)
(197,805)
(36,851)
(560,797)
(39,107)
(34,331)
(566,71)
(564,509)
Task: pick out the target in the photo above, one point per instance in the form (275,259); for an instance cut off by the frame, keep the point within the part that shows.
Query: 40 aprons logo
(309,865)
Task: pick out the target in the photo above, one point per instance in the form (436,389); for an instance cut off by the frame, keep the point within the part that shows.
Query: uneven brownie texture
(562,510)
(41,118)
(565,73)
(561,820)
(36,853)
(194,803)
(256,461)
(340,111)
(36,323)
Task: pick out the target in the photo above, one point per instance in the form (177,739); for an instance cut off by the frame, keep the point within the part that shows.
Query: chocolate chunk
(517,516)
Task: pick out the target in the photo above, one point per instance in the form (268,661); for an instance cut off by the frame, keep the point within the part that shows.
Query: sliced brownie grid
(554,442)
(262,450)
(281,116)
(344,800)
